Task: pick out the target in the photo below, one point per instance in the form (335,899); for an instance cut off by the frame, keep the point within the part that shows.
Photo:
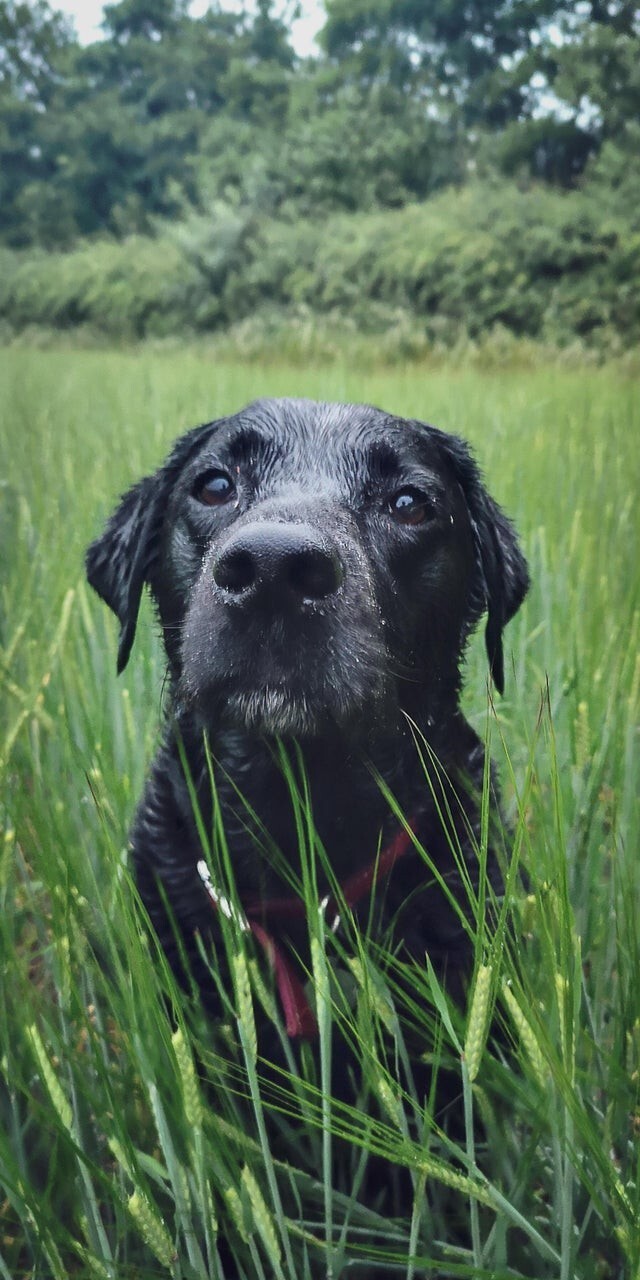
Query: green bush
(544,265)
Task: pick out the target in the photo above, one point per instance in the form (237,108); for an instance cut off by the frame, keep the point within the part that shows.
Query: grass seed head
(152,1229)
(478,1021)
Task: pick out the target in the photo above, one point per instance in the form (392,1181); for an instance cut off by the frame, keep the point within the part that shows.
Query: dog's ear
(119,561)
(503,577)
(505,574)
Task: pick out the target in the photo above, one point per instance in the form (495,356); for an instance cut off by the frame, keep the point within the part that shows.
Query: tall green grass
(136,1137)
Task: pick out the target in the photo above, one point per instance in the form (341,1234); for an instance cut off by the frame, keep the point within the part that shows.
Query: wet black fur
(345,675)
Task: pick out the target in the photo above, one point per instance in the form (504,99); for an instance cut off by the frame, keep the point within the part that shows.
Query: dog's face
(313,565)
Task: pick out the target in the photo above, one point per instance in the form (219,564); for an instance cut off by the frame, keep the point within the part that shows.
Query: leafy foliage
(539,264)
(170,112)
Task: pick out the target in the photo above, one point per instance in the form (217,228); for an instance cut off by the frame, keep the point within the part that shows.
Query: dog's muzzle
(283,632)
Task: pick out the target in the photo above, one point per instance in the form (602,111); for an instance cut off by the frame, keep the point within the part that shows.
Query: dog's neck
(346,779)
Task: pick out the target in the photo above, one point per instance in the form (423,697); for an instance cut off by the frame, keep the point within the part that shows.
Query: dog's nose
(287,561)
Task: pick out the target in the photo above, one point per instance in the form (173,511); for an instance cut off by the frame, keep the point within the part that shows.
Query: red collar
(299,1017)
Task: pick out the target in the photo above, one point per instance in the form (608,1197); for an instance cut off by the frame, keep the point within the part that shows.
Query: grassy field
(133,1137)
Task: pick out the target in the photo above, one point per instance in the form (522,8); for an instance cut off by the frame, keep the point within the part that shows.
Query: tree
(593,67)
(269,39)
(34,45)
(170,112)
(143,19)
(586,71)
(463,57)
(32,38)
(554,81)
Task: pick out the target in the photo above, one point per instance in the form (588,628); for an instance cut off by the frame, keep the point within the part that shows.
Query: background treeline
(438,169)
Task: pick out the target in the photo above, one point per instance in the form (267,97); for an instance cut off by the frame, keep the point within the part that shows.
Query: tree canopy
(170,113)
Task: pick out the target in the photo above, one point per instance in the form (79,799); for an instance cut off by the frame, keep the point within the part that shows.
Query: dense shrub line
(540,264)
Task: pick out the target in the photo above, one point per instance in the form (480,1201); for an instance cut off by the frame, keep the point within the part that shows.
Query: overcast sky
(87,15)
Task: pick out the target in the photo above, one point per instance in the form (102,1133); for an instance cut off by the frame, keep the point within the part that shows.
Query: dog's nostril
(314,574)
(235,570)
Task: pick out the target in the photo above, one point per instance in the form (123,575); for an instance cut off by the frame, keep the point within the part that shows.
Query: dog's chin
(281,712)
(287,707)
(275,712)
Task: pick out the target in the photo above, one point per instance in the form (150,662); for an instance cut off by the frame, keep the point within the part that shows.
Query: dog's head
(310,562)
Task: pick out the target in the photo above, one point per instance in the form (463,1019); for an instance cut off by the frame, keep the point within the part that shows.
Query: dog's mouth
(302,699)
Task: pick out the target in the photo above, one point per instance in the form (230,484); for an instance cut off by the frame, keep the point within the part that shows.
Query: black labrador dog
(317,569)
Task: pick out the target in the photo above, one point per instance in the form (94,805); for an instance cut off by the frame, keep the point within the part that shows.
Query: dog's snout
(287,560)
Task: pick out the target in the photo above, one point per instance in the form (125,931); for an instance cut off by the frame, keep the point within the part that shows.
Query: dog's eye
(214,489)
(409,506)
